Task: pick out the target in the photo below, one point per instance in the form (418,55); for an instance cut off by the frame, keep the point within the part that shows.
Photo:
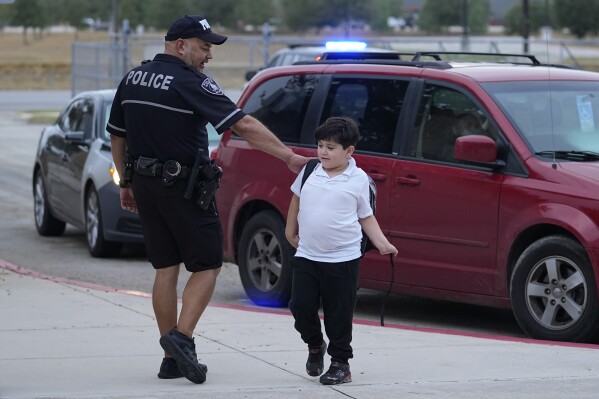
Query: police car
(298,53)
(75,181)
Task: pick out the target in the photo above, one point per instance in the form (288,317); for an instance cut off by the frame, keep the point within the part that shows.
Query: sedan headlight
(115,175)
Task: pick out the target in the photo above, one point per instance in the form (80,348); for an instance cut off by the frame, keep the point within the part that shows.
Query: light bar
(345,46)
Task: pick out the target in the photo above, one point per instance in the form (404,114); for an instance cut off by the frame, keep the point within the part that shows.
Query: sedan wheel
(45,223)
(264,257)
(97,245)
(553,291)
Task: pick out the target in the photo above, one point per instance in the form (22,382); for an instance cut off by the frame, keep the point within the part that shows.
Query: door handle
(408,181)
(378,176)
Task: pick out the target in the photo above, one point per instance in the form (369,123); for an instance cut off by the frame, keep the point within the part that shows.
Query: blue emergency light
(345,45)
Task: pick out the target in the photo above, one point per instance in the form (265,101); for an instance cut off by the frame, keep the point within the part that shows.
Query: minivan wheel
(264,258)
(97,245)
(553,291)
(45,223)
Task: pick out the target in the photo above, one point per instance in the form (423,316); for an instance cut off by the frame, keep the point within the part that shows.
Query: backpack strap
(309,169)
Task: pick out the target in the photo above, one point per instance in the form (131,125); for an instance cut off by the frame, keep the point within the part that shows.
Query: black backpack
(366,245)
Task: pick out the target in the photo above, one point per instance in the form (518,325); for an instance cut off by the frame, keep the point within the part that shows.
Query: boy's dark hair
(340,129)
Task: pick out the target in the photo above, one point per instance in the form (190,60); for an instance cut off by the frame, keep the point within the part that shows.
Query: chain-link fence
(102,65)
(97,65)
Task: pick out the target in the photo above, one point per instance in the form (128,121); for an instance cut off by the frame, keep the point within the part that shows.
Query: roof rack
(436,55)
(379,61)
(417,59)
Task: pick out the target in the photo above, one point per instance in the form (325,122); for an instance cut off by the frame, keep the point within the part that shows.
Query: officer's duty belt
(153,168)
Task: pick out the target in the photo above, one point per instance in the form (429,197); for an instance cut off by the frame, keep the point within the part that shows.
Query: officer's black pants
(336,285)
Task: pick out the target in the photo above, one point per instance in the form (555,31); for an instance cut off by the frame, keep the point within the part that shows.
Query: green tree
(219,12)
(380,10)
(437,15)
(343,13)
(162,13)
(580,16)
(513,19)
(254,12)
(307,14)
(71,12)
(28,14)
(135,11)
(301,15)
(4,14)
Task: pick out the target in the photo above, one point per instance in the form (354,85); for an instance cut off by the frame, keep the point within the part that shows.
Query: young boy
(329,214)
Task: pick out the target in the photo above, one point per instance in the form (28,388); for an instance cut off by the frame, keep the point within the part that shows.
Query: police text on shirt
(157,81)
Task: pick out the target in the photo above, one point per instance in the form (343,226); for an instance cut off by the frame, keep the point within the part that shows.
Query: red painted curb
(27,272)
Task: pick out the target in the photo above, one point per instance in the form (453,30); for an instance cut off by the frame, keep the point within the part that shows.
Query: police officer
(159,118)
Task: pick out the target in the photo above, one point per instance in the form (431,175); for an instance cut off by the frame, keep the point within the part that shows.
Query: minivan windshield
(554,117)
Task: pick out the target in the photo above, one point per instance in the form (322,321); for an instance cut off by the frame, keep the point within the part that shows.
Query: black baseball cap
(193,26)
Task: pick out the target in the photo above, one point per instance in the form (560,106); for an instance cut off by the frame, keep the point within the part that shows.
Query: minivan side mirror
(476,149)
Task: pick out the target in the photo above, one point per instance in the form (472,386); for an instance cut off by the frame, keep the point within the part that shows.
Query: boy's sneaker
(169,369)
(183,349)
(338,373)
(315,363)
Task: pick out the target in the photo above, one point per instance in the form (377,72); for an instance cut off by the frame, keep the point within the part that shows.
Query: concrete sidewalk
(60,339)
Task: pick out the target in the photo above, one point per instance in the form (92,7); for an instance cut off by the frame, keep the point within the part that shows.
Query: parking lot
(67,256)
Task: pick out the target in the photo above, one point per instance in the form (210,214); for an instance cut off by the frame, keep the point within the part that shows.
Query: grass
(47,49)
(39,117)
(45,62)
(589,64)
(42,63)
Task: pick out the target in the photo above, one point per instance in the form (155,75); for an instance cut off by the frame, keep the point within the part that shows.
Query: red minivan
(487,176)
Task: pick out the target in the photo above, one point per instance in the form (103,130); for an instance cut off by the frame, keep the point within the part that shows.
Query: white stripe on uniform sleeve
(227,118)
(116,128)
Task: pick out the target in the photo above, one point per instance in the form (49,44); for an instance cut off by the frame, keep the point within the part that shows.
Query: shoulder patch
(211,87)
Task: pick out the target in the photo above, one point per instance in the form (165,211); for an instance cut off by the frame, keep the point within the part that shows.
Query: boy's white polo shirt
(329,209)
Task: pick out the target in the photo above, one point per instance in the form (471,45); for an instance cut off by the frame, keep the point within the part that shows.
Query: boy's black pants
(336,285)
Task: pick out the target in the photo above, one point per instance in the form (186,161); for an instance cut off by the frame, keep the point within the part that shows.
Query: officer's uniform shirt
(167,106)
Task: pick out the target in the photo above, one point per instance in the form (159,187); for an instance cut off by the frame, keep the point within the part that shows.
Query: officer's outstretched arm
(258,136)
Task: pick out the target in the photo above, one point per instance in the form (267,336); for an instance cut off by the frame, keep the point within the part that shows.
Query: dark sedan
(75,181)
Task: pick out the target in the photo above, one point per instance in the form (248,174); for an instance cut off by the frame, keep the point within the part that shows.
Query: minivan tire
(264,260)
(553,291)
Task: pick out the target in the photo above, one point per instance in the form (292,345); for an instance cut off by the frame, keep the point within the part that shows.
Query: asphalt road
(67,256)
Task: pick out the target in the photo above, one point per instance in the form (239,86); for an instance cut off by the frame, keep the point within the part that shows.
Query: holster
(126,179)
(148,167)
(202,185)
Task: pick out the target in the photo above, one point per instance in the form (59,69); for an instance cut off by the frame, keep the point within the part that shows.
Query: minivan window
(375,104)
(281,104)
(444,114)
(552,116)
